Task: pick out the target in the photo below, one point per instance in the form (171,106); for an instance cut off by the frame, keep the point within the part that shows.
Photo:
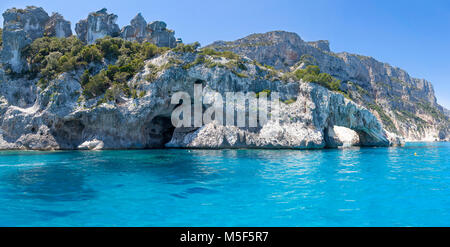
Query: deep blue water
(350,187)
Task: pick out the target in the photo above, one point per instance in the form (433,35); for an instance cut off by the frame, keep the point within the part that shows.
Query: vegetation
(214,53)
(50,56)
(308,60)
(387,121)
(290,101)
(1,38)
(312,74)
(267,91)
(235,63)
(429,109)
(186,48)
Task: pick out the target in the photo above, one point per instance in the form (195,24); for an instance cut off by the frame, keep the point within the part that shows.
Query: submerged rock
(97,25)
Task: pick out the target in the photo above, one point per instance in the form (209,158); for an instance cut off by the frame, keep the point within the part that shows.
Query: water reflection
(50,183)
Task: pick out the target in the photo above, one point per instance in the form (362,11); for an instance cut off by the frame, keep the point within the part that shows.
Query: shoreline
(216,149)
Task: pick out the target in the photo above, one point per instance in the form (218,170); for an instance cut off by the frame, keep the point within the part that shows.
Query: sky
(413,35)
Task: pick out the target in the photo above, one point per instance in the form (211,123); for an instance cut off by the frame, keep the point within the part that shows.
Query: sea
(395,186)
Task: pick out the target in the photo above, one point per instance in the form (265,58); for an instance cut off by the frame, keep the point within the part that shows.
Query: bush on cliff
(50,56)
(312,74)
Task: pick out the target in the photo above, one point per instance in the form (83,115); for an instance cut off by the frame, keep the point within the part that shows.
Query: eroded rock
(155,32)
(58,27)
(20,28)
(97,25)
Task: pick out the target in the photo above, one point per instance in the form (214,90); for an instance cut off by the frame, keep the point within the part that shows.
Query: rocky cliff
(21,27)
(155,32)
(405,105)
(109,93)
(60,117)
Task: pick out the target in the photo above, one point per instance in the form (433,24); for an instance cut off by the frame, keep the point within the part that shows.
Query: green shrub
(267,91)
(85,78)
(1,38)
(90,54)
(385,119)
(109,47)
(312,74)
(187,48)
(214,53)
(97,85)
(290,101)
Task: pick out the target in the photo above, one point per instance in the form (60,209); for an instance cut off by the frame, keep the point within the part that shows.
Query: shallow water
(350,187)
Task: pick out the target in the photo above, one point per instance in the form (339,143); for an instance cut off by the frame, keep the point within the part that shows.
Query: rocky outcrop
(160,35)
(323,45)
(382,104)
(405,105)
(58,27)
(137,31)
(155,32)
(59,118)
(97,25)
(20,28)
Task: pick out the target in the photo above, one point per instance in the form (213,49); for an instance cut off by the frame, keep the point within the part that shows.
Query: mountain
(406,106)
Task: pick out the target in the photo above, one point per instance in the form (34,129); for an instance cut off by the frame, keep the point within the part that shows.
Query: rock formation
(160,35)
(155,32)
(20,28)
(98,25)
(58,27)
(405,105)
(137,31)
(377,105)
(55,118)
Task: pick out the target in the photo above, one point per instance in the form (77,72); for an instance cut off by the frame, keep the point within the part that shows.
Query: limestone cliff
(405,105)
(155,32)
(58,92)
(58,117)
(97,25)
(21,27)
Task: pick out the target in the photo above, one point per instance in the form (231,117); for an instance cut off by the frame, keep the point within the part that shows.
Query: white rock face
(20,28)
(55,118)
(91,145)
(346,136)
(406,105)
(98,25)
(155,32)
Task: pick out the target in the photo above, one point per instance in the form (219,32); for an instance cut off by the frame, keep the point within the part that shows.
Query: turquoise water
(351,187)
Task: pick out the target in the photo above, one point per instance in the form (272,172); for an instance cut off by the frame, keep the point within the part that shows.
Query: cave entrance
(160,131)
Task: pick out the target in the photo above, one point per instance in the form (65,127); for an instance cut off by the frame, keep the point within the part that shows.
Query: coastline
(216,149)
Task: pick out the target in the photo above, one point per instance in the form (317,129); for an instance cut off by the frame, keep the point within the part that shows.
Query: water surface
(401,186)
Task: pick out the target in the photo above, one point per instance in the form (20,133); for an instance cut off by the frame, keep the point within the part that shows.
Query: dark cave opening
(160,131)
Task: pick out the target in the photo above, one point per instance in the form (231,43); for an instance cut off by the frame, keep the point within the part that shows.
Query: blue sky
(413,35)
